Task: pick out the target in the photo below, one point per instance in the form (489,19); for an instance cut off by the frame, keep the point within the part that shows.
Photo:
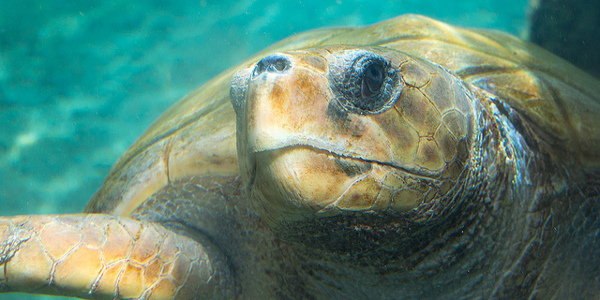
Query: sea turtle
(407,159)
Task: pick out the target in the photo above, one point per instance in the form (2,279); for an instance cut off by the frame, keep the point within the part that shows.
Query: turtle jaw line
(322,150)
(360,160)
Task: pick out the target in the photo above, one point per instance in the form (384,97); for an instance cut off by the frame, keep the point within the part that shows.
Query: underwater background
(81,80)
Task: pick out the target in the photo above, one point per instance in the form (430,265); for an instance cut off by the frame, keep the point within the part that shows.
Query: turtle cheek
(293,183)
(296,183)
(434,119)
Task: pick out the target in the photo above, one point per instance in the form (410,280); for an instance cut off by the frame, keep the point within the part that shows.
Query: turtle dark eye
(372,80)
(364,82)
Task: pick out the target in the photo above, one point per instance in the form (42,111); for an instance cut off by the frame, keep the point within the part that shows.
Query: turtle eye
(364,82)
(372,80)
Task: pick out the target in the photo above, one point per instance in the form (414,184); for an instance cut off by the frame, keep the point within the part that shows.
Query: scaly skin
(104,257)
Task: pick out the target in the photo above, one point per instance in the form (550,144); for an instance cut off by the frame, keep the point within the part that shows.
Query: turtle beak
(258,74)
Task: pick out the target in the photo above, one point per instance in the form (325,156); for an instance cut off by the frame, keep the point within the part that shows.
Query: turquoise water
(80,80)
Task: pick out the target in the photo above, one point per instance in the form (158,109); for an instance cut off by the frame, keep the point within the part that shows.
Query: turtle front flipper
(101,256)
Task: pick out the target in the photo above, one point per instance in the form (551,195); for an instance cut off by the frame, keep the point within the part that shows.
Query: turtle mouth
(350,165)
(349,162)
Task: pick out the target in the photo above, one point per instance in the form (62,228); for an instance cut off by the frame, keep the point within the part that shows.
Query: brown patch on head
(279,94)
(419,111)
(306,87)
(411,104)
(429,155)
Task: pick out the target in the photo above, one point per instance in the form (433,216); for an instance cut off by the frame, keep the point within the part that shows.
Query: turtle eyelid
(364,82)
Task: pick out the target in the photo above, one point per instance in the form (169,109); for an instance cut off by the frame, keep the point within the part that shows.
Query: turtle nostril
(274,63)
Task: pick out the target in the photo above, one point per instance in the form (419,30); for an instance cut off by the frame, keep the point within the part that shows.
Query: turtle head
(324,132)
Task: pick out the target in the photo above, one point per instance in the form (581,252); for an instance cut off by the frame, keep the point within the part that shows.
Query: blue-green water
(80,80)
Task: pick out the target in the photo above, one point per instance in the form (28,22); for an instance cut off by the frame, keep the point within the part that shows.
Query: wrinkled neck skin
(478,233)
